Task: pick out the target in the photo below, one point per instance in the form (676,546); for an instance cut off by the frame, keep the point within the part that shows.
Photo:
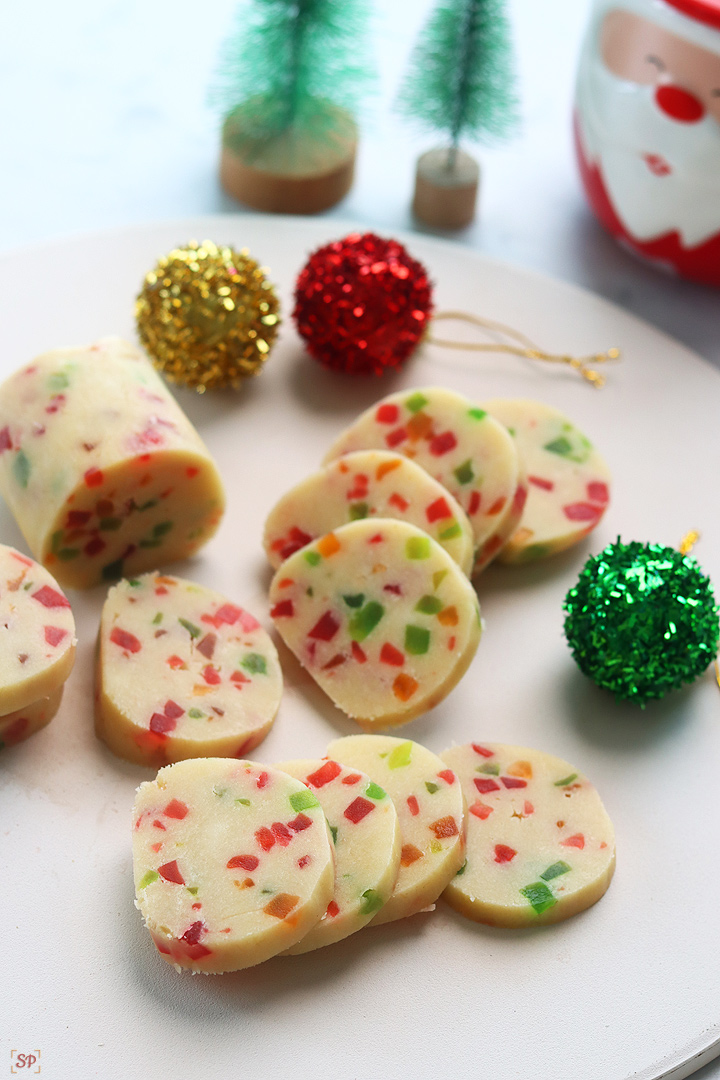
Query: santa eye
(656,61)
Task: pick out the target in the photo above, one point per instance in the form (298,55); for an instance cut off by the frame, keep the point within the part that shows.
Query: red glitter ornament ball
(362,304)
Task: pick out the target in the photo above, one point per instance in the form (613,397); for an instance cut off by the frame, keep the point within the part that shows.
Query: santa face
(649,116)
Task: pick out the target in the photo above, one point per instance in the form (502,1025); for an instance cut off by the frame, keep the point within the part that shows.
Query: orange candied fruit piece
(448,616)
(520,768)
(386,467)
(410,854)
(328,545)
(404,686)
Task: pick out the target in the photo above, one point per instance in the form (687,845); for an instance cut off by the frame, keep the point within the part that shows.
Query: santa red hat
(705,11)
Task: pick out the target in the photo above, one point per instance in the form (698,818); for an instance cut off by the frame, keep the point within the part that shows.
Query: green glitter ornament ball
(642,620)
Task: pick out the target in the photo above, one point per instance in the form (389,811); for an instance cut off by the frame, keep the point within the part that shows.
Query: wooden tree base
(291,174)
(446,189)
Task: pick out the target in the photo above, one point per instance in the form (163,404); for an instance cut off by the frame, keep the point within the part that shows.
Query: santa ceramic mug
(647,129)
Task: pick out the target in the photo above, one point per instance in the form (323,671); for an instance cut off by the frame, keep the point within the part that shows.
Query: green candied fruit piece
(477,414)
(254,663)
(68,553)
(313,557)
(148,505)
(435,847)
(354,601)
(429,605)
(400,756)
(451,531)
(151,543)
(373,902)
(417,640)
(374,791)
(193,630)
(572,445)
(158,619)
(112,571)
(58,381)
(21,468)
(196,714)
(56,541)
(415,402)
(365,620)
(432,788)
(193,889)
(219,791)
(244,802)
(147,879)
(162,527)
(334,830)
(465,472)
(134,583)
(438,578)
(358,511)
(417,547)
(539,896)
(109,524)
(462,869)
(555,870)
(566,780)
(303,800)
(490,768)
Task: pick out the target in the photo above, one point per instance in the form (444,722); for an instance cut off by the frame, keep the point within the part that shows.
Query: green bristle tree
(291,65)
(461,81)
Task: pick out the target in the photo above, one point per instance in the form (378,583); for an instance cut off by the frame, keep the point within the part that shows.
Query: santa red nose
(679,104)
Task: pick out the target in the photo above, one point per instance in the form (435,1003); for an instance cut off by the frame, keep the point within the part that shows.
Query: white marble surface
(104,124)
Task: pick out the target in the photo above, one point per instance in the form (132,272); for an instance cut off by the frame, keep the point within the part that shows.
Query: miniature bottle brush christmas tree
(288,86)
(460,83)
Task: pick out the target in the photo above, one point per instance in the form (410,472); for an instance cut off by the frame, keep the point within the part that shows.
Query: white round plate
(629,988)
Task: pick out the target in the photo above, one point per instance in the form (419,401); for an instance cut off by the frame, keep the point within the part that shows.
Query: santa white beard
(621,127)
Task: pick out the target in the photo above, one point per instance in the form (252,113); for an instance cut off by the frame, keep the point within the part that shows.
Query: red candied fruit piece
(351,778)
(173,710)
(265,838)
(438,510)
(95,546)
(390,655)
(171,872)
(358,653)
(386,414)
(283,609)
(228,613)
(474,504)
(94,478)
(394,438)
(5,440)
(238,677)
(176,809)
(206,646)
(582,512)
(482,750)
(300,823)
(77,518)
(281,833)
(175,662)
(247,862)
(50,598)
(211,675)
(513,782)
(398,501)
(161,724)
(324,774)
(442,444)
(358,809)
(485,784)
(447,775)
(445,827)
(413,805)
(481,810)
(578,841)
(125,640)
(262,779)
(540,482)
(54,635)
(503,853)
(325,628)
(332,909)
(597,491)
(194,932)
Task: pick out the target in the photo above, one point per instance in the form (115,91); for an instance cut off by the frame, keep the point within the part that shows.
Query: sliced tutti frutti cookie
(364,826)
(540,845)
(430,808)
(461,446)
(232,862)
(181,673)
(568,481)
(37,632)
(368,484)
(20,724)
(380,616)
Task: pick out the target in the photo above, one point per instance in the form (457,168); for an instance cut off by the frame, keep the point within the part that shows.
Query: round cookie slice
(232,862)
(380,616)
(461,446)
(540,845)
(368,484)
(430,807)
(568,481)
(19,725)
(37,633)
(182,673)
(366,842)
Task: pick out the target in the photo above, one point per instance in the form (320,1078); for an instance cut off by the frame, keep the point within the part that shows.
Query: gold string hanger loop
(525,348)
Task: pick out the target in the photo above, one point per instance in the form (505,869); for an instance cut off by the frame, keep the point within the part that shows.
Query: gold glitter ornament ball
(207,315)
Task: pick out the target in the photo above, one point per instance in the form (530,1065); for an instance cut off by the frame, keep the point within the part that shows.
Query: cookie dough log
(182,673)
(232,862)
(22,723)
(380,616)
(366,842)
(461,446)
(37,633)
(368,484)
(540,846)
(430,807)
(568,481)
(103,472)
